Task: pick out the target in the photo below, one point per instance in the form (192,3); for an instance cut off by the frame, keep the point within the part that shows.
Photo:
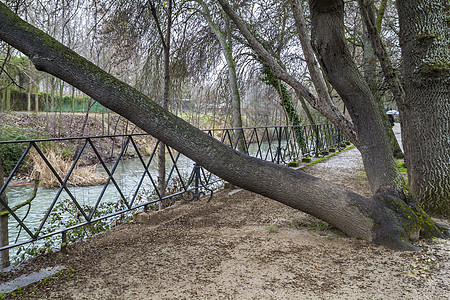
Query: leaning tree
(425,63)
(388,217)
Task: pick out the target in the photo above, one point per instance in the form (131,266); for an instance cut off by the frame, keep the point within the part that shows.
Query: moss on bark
(400,221)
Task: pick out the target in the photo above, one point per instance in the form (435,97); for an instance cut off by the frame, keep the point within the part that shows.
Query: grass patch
(401,167)
(272,229)
(319,225)
(328,156)
(325,229)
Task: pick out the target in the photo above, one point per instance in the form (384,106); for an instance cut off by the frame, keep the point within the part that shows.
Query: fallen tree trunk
(385,218)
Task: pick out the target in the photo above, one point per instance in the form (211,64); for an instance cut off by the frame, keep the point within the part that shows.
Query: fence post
(279,145)
(64,242)
(338,139)
(317,140)
(4,239)
(196,180)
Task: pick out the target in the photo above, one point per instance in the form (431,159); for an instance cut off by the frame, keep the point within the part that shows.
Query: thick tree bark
(384,218)
(329,43)
(424,40)
(425,114)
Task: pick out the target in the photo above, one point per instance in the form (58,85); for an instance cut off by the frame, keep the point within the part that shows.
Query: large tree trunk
(370,74)
(384,218)
(329,43)
(425,114)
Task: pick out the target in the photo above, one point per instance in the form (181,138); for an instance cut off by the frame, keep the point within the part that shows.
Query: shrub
(11,153)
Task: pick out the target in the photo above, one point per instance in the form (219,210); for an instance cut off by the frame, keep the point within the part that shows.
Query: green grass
(400,165)
(328,156)
(272,229)
(319,225)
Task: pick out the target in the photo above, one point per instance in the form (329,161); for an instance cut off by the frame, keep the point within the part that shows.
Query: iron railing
(138,188)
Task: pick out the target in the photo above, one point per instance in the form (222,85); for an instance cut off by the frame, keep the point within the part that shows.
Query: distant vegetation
(10,153)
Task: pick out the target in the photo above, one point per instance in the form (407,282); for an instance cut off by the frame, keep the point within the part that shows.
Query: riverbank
(242,246)
(61,153)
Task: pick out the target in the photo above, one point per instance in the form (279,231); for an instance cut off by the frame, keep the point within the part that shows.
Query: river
(127,176)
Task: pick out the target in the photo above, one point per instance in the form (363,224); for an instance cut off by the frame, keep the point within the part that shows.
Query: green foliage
(401,165)
(11,153)
(65,215)
(272,229)
(402,168)
(319,225)
(287,103)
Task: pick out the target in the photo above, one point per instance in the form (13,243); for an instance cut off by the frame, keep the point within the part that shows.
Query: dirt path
(244,246)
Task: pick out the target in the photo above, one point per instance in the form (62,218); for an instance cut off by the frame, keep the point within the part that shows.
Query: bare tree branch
(324,106)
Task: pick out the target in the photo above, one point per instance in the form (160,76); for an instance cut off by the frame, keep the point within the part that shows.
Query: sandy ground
(243,246)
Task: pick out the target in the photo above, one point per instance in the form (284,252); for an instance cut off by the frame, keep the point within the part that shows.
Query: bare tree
(387,217)
(165,41)
(225,41)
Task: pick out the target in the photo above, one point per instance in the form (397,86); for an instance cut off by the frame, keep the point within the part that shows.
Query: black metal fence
(129,184)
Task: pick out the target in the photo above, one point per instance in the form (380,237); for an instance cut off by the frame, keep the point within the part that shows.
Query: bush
(11,153)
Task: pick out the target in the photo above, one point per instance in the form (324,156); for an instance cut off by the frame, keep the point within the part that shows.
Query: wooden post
(4,239)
